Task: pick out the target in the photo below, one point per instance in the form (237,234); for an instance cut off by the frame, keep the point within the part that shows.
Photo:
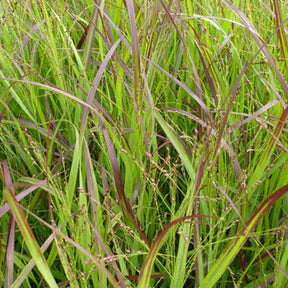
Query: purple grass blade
(5,208)
(147,266)
(124,202)
(95,84)
(9,257)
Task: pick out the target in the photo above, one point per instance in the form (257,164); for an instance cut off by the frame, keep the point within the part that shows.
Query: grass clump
(143,144)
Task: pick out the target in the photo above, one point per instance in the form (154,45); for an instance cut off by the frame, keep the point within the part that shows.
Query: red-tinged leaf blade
(5,208)
(258,172)
(135,50)
(250,28)
(150,258)
(9,257)
(24,274)
(90,257)
(29,238)
(94,86)
(124,203)
(232,250)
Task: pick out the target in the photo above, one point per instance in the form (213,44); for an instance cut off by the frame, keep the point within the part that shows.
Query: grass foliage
(143,143)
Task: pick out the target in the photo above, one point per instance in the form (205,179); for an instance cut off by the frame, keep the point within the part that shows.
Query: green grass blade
(264,161)
(144,278)
(231,251)
(29,238)
(21,278)
(177,144)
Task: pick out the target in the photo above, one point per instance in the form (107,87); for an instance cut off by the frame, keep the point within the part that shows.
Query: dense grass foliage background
(143,143)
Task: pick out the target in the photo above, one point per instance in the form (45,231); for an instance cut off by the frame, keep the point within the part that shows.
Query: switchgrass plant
(143,143)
